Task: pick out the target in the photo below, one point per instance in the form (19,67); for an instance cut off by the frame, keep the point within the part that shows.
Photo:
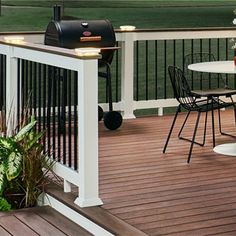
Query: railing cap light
(127,27)
(87,52)
(14,39)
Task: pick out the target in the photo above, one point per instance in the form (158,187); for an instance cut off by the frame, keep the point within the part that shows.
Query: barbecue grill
(92,33)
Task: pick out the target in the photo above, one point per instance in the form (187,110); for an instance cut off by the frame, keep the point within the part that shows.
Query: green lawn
(18,15)
(30,19)
(119,3)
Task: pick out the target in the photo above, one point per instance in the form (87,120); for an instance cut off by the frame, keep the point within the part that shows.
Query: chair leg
(235,115)
(213,126)
(219,118)
(171,129)
(189,140)
(220,127)
(194,135)
(186,118)
(205,127)
(234,109)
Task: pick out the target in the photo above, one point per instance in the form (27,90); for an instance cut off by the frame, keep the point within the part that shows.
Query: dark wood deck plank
(38,224)
(38,221)
(183,214)
(197,228)
(15,227)
(211,230)
(230,233)
(3,232)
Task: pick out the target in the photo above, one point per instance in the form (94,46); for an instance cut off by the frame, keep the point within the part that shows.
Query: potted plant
(24,168)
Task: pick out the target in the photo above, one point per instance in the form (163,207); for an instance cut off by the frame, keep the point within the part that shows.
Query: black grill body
(77,34)
(93,33)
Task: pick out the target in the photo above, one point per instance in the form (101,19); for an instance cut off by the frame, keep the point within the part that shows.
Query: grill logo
(90,39)
(87,33)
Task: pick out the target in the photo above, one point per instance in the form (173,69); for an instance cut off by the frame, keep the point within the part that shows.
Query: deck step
(97,214)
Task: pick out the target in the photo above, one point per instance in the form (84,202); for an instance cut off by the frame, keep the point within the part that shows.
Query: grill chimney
(57,13)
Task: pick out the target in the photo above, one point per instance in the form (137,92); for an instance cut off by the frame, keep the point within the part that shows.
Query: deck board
(38,224)
(3,232)
(34,221)
(160,194)
(15,227)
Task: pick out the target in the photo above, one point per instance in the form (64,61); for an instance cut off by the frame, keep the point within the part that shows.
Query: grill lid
(80,33)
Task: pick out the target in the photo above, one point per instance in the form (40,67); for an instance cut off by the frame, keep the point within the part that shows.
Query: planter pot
(17,200)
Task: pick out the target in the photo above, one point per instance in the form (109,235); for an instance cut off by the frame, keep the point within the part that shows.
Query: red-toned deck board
(160,194)
(35,221)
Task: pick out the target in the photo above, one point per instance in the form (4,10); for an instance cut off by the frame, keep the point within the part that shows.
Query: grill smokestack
(56,13)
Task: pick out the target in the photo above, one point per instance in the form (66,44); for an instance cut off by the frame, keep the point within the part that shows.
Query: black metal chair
(205,83)
(189,100)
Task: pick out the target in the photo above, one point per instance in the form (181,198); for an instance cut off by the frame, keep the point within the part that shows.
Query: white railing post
(127,74)
(11,90)
(88,134)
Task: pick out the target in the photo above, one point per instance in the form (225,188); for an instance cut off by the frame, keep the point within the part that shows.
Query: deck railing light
(87,52)
(14,39)
(127,27)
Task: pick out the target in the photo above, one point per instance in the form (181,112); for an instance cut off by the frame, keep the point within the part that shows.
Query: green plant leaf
(25,130)
(34,138)
(4,205)
(13,165)
(2,178)
(7,143)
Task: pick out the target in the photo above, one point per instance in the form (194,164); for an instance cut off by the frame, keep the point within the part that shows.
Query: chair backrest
(181,88)
(200,80)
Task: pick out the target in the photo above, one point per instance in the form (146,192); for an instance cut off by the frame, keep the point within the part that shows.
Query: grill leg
(109,87)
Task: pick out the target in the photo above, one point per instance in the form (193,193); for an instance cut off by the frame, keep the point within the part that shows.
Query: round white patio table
(223,67)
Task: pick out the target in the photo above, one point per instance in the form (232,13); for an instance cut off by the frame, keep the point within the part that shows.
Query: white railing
(87,176)
(127,104)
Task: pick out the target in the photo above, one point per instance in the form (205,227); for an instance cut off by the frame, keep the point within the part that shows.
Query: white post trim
(127,75)
(88,133)
(11,90)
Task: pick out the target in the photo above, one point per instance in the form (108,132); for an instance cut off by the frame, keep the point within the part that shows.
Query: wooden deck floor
(160,194)
(42,221)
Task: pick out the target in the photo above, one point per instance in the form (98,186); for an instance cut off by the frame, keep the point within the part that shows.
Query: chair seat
(214,92)
(204,105)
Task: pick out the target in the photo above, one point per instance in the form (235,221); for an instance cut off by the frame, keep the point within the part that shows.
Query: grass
(119,3)
(32,19)
(142,14)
